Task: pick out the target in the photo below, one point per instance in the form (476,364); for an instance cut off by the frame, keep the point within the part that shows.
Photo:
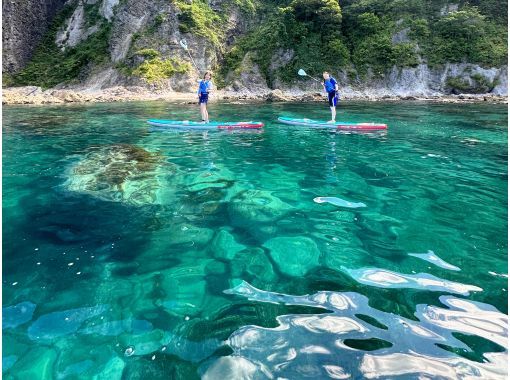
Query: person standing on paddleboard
(331,86)
(203,95)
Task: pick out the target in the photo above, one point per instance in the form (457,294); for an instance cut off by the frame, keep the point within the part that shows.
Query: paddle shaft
(184,45)
(192,60)
(313,78)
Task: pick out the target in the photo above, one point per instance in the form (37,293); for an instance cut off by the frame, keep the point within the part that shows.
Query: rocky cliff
(254,46)
(24,24)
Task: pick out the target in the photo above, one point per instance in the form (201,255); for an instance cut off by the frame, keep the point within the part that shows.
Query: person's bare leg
(202,111)
(206,114)
(333,113)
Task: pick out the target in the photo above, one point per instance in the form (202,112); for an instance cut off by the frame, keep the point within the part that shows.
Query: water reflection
(344,344)
(383,278)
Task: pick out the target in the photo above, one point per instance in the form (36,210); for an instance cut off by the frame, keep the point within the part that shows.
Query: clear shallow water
(144,255)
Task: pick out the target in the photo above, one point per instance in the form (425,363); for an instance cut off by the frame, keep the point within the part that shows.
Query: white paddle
(184,45)
(304,74)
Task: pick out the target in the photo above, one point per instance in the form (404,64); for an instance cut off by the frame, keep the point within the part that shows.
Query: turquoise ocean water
(130,253)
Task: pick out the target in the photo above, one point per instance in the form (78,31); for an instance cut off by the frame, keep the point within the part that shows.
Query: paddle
(304,74)
(184,44)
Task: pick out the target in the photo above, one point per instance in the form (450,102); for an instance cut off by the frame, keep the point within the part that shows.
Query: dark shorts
(203,98)
(332,98)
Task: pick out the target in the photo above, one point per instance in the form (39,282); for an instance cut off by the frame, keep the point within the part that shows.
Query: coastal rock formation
(254,48)
(24,25)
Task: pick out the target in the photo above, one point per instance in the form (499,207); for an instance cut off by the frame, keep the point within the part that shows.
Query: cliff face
(24,24)
(253,46)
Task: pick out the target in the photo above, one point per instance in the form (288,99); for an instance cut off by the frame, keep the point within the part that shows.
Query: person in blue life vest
(204,88)
(331,87)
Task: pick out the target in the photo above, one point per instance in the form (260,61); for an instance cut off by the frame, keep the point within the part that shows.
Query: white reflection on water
(320,345)
(383,278)
(339,202)
(431,257)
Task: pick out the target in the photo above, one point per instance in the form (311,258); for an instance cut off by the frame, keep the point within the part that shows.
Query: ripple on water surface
(346,343)
(123,245)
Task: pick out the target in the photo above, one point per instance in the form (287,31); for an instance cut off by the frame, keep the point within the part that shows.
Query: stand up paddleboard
(186,124)
(337,125)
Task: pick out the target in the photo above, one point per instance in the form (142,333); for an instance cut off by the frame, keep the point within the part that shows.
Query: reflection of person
(331,86)
(331,159)
(203,95)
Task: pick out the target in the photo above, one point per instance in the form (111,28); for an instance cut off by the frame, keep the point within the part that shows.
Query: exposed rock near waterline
(37,96)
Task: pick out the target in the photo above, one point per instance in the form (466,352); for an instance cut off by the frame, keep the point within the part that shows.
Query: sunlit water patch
(355,340)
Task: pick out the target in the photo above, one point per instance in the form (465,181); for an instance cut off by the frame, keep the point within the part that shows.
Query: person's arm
(210,87)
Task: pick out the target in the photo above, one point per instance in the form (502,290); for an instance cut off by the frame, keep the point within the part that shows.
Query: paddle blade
(184,44)
(302,72)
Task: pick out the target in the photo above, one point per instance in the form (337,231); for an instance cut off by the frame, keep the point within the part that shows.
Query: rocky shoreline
(37,96)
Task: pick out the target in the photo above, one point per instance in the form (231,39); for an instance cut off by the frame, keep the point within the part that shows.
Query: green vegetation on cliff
(198,18)
(376,35)
(309,29)
(154,69)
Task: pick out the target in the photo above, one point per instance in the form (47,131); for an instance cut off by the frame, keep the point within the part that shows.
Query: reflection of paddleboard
(186,124)
(336,125)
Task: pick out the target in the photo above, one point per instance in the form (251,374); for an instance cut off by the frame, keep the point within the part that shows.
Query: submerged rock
(251,208)
(76,368)
(253,263)
(14,316)
(112,370)
(141,344)
(8,362)
(189,235)
(114,328)
(295,256)
(60,323)
(219,178)
(36,364)
(224,246)
(183,289)
(118,173)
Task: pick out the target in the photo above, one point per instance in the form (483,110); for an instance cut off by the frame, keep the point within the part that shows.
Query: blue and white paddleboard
(186,124)
(336,125)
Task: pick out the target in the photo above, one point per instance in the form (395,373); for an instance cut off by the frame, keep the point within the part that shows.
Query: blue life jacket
(203,88)
(330,84)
